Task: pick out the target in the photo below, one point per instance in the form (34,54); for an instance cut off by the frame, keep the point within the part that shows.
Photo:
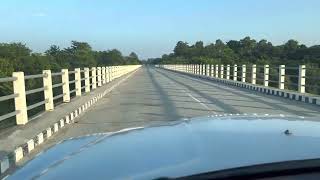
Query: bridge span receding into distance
(143,96)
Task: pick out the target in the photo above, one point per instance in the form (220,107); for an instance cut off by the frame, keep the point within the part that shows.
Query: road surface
(152,96)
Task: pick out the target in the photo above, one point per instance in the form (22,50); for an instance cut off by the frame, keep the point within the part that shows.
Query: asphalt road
(153,96)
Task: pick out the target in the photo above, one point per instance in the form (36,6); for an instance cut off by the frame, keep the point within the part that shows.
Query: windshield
(239,79)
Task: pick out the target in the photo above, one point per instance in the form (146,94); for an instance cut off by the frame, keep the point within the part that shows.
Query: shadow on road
(167,104)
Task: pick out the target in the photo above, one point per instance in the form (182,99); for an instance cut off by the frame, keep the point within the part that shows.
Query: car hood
(178,149)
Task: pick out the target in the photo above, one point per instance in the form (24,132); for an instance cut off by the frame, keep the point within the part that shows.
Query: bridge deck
(155,95)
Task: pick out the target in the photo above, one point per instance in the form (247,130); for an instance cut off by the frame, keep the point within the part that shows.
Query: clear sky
(152,27)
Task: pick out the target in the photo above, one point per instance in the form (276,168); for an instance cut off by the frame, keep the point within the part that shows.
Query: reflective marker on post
(48,94)
(20,101)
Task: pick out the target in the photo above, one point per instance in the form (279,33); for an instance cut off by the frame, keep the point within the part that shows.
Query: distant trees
(250,51)
(18,57)
(245,51)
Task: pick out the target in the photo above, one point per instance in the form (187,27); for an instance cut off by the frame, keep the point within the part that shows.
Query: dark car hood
(178,149)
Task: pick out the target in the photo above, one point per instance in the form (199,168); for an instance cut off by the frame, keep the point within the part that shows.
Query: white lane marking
(190,95)
(197,100)
(204,105)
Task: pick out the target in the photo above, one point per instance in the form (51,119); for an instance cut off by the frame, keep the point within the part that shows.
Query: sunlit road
(152,96)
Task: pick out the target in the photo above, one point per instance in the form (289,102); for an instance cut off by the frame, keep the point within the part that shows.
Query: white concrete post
(282,73)
(208,69)
(203,69)
(266,75)
(77,78)
(221,71)
(108,74)
(94,77)
(87,79)
(20,101)
(244,72)
(217,71)
(254,74)
(302,79)
(65,85)
(212,70)
(235,72)
(103,69)
(111,72)
(99,76)
(48,94)
(228,71)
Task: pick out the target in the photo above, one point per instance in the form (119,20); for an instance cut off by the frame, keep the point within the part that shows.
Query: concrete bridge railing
(84,81)
(289,82)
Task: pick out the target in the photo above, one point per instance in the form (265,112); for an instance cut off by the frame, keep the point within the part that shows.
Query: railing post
(228,71)
(208,69)
(87,79)
(48,94)
(302,79)
(65,85)
(99,76)
(212,70)
(103,75)
(235,72)
(94,77)
(203,70)
(77,78)
(20,101)
(282,73)
(266,75)
(111,73)
(221,71)
(254,74)
(108,74)
(217,71)
(244,72)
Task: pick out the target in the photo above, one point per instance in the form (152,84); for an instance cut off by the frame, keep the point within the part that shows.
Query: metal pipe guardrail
(281,77)
(99,76)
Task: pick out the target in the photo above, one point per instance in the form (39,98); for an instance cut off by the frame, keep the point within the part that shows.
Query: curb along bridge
(104,99)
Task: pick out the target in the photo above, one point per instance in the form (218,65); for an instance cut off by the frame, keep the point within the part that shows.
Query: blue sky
(152,27)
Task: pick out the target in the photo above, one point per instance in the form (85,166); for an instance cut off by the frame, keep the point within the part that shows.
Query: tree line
(250,51)
(18,57)
(244,51)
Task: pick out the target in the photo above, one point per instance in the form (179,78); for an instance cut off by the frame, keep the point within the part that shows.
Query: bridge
(112,98)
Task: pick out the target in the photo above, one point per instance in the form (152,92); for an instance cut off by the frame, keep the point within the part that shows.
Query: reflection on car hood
(178,149)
